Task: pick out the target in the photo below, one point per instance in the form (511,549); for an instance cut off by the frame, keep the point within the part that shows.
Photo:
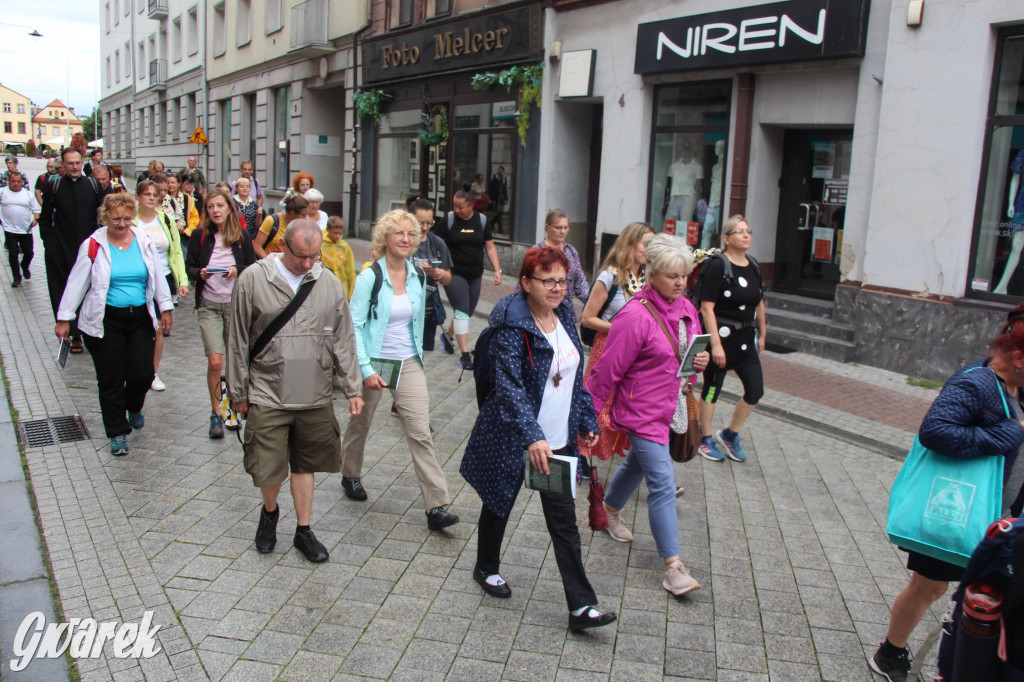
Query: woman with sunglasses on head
(220,243)
(538,405)
(732,309)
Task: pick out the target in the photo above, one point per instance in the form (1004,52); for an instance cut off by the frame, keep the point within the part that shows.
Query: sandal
(76,346)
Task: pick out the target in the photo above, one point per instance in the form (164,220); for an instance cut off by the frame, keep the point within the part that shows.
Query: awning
(97,143)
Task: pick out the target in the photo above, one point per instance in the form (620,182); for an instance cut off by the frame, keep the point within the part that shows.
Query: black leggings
(750,375)
(463,294)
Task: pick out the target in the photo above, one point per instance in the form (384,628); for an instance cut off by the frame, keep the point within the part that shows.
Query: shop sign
(835,191)
(501,111)
(797,30)
(456,45)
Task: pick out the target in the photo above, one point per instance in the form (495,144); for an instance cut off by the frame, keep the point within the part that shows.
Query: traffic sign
(199,137)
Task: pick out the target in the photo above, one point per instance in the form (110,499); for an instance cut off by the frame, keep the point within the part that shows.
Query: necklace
(557,378)
(119,247)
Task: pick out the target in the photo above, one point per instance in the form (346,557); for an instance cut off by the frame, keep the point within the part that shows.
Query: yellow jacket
(337,257)
(192,218)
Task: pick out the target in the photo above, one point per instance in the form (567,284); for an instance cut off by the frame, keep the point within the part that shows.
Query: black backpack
(483,366)
(727,276)
(586,333)
(378,282)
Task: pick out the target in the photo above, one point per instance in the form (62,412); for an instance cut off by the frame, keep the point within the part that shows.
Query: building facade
(54,125)
(152,84)
(15,118)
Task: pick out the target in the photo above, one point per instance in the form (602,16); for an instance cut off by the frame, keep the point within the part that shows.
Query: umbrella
(598,517)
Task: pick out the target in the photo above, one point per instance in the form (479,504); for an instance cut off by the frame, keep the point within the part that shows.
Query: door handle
(805,223)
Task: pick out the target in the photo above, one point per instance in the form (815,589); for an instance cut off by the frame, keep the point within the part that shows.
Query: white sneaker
(616,528)
(678,580)
(157,385)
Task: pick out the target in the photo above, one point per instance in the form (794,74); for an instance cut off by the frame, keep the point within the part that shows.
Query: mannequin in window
(684,178)
(714,199)
(1015,212)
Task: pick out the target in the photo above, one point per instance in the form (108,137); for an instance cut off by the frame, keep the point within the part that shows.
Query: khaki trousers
(413,404)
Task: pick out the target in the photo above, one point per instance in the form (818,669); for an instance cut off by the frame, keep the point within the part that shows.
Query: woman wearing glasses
(388,330)
(216,256)
(433,257)
(556,228)
(124,297)
(538,405)
(732,308)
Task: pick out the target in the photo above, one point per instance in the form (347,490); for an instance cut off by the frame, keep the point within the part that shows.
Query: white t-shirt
(321,220)
(159,238)
(398,344)
(17,209)
(553,417)
(618,300)
(294,281)
(684,176)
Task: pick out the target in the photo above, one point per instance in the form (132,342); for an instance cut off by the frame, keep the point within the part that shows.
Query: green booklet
(389,370)
(561,480)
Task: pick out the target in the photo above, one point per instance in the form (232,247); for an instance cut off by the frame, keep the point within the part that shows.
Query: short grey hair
(306,230)
(313,194)
(668,253)
(12,158)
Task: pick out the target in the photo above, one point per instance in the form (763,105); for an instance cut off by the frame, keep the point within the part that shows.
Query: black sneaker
(354,489)
(25,271)
(439,517)
(466,362)
(447,344)
(15,284)
(894,668)
(216,426)
(266,531)
(136,419)
(310,547)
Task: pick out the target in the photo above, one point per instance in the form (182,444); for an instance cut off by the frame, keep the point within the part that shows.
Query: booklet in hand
(214,270)
(698,344)
(389,370)
(561,480)
(62,352)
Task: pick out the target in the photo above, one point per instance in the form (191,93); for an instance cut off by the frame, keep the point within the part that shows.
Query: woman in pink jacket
(637,372)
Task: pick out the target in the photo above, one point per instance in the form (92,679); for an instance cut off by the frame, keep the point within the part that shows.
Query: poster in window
(823,241)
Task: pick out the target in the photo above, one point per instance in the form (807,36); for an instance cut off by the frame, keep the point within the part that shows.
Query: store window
(399,154)
(688,152)
(999,230)
(484,143)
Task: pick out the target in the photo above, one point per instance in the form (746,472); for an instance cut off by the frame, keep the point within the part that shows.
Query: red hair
(302,176)
(1011,338)
(544,259)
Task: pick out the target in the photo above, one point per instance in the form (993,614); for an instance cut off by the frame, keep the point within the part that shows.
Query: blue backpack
(998,560)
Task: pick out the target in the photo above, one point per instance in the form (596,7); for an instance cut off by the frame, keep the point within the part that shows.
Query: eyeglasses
(551,284)
(119,221)
(301,256)
(427,223)
(729,234)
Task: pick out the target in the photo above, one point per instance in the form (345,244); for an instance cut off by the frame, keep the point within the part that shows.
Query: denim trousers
(651,461)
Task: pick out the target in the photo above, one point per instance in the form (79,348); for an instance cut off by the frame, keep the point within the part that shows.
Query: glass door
(812,211)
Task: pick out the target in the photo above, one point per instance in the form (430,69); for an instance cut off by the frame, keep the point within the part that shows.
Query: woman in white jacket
(118,282)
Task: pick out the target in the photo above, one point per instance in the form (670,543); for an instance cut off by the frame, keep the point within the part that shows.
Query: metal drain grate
(36,434)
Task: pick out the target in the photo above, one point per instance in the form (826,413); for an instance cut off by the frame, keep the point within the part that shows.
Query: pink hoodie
(638,366)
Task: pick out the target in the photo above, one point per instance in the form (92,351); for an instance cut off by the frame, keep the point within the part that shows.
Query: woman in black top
(732,309)
(467,240)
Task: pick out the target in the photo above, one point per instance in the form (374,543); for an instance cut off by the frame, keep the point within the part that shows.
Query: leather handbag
(682,447)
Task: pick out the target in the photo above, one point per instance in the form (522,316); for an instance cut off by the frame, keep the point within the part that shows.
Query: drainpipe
(353,188)
(205,87)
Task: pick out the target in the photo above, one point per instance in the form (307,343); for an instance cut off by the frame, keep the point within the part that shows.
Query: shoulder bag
(682,447)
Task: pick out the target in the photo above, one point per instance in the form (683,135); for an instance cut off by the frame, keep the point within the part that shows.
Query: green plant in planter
(369,103)
(528,79)
(434,129)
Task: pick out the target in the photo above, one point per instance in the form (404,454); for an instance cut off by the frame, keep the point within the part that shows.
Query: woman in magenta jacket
(637,372)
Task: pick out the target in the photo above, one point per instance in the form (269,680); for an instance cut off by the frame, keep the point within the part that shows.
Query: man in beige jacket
(285,390)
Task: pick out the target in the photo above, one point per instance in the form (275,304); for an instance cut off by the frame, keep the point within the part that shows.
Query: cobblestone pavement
(795,568)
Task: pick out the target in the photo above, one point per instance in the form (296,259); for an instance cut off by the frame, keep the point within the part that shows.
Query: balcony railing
(158,74)
(309,28)
(157,9)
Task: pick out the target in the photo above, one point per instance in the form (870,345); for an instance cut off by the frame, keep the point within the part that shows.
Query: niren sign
(479,41)
(797,30)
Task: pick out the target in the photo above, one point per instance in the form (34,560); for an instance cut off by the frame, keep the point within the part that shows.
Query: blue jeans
(651,461)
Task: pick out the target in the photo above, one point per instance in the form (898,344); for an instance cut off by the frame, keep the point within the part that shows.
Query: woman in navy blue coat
(967,420)
(537,405)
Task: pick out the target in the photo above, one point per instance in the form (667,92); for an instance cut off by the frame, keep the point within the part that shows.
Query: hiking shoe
(678,580)
(266,531)
(216,426)
(709,450)
(157,385)
(732,447)
(440,517)
(354,489)
(119,446)
(136,419)
(310,547)
(894,668)
(466,361)
(616,528)
(447,344)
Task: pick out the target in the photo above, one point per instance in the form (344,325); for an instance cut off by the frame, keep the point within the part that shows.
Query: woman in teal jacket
(387,306)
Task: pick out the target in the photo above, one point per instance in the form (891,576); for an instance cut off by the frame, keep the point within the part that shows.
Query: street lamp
(32,32)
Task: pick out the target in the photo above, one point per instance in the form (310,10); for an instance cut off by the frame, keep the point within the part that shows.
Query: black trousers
(57,272)
(429,325)
(560,517)
(124,365)
(18,244)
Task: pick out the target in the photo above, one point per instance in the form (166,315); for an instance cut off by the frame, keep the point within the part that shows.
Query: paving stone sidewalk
(789,548)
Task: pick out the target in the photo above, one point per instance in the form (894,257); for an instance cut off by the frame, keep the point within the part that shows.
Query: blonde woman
(247,205)
(391,330)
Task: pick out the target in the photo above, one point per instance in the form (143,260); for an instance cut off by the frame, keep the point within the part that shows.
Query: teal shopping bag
(941,506)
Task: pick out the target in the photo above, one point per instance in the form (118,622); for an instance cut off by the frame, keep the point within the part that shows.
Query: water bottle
(977,638)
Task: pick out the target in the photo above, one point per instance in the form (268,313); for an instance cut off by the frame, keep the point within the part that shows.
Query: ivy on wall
(528,79)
